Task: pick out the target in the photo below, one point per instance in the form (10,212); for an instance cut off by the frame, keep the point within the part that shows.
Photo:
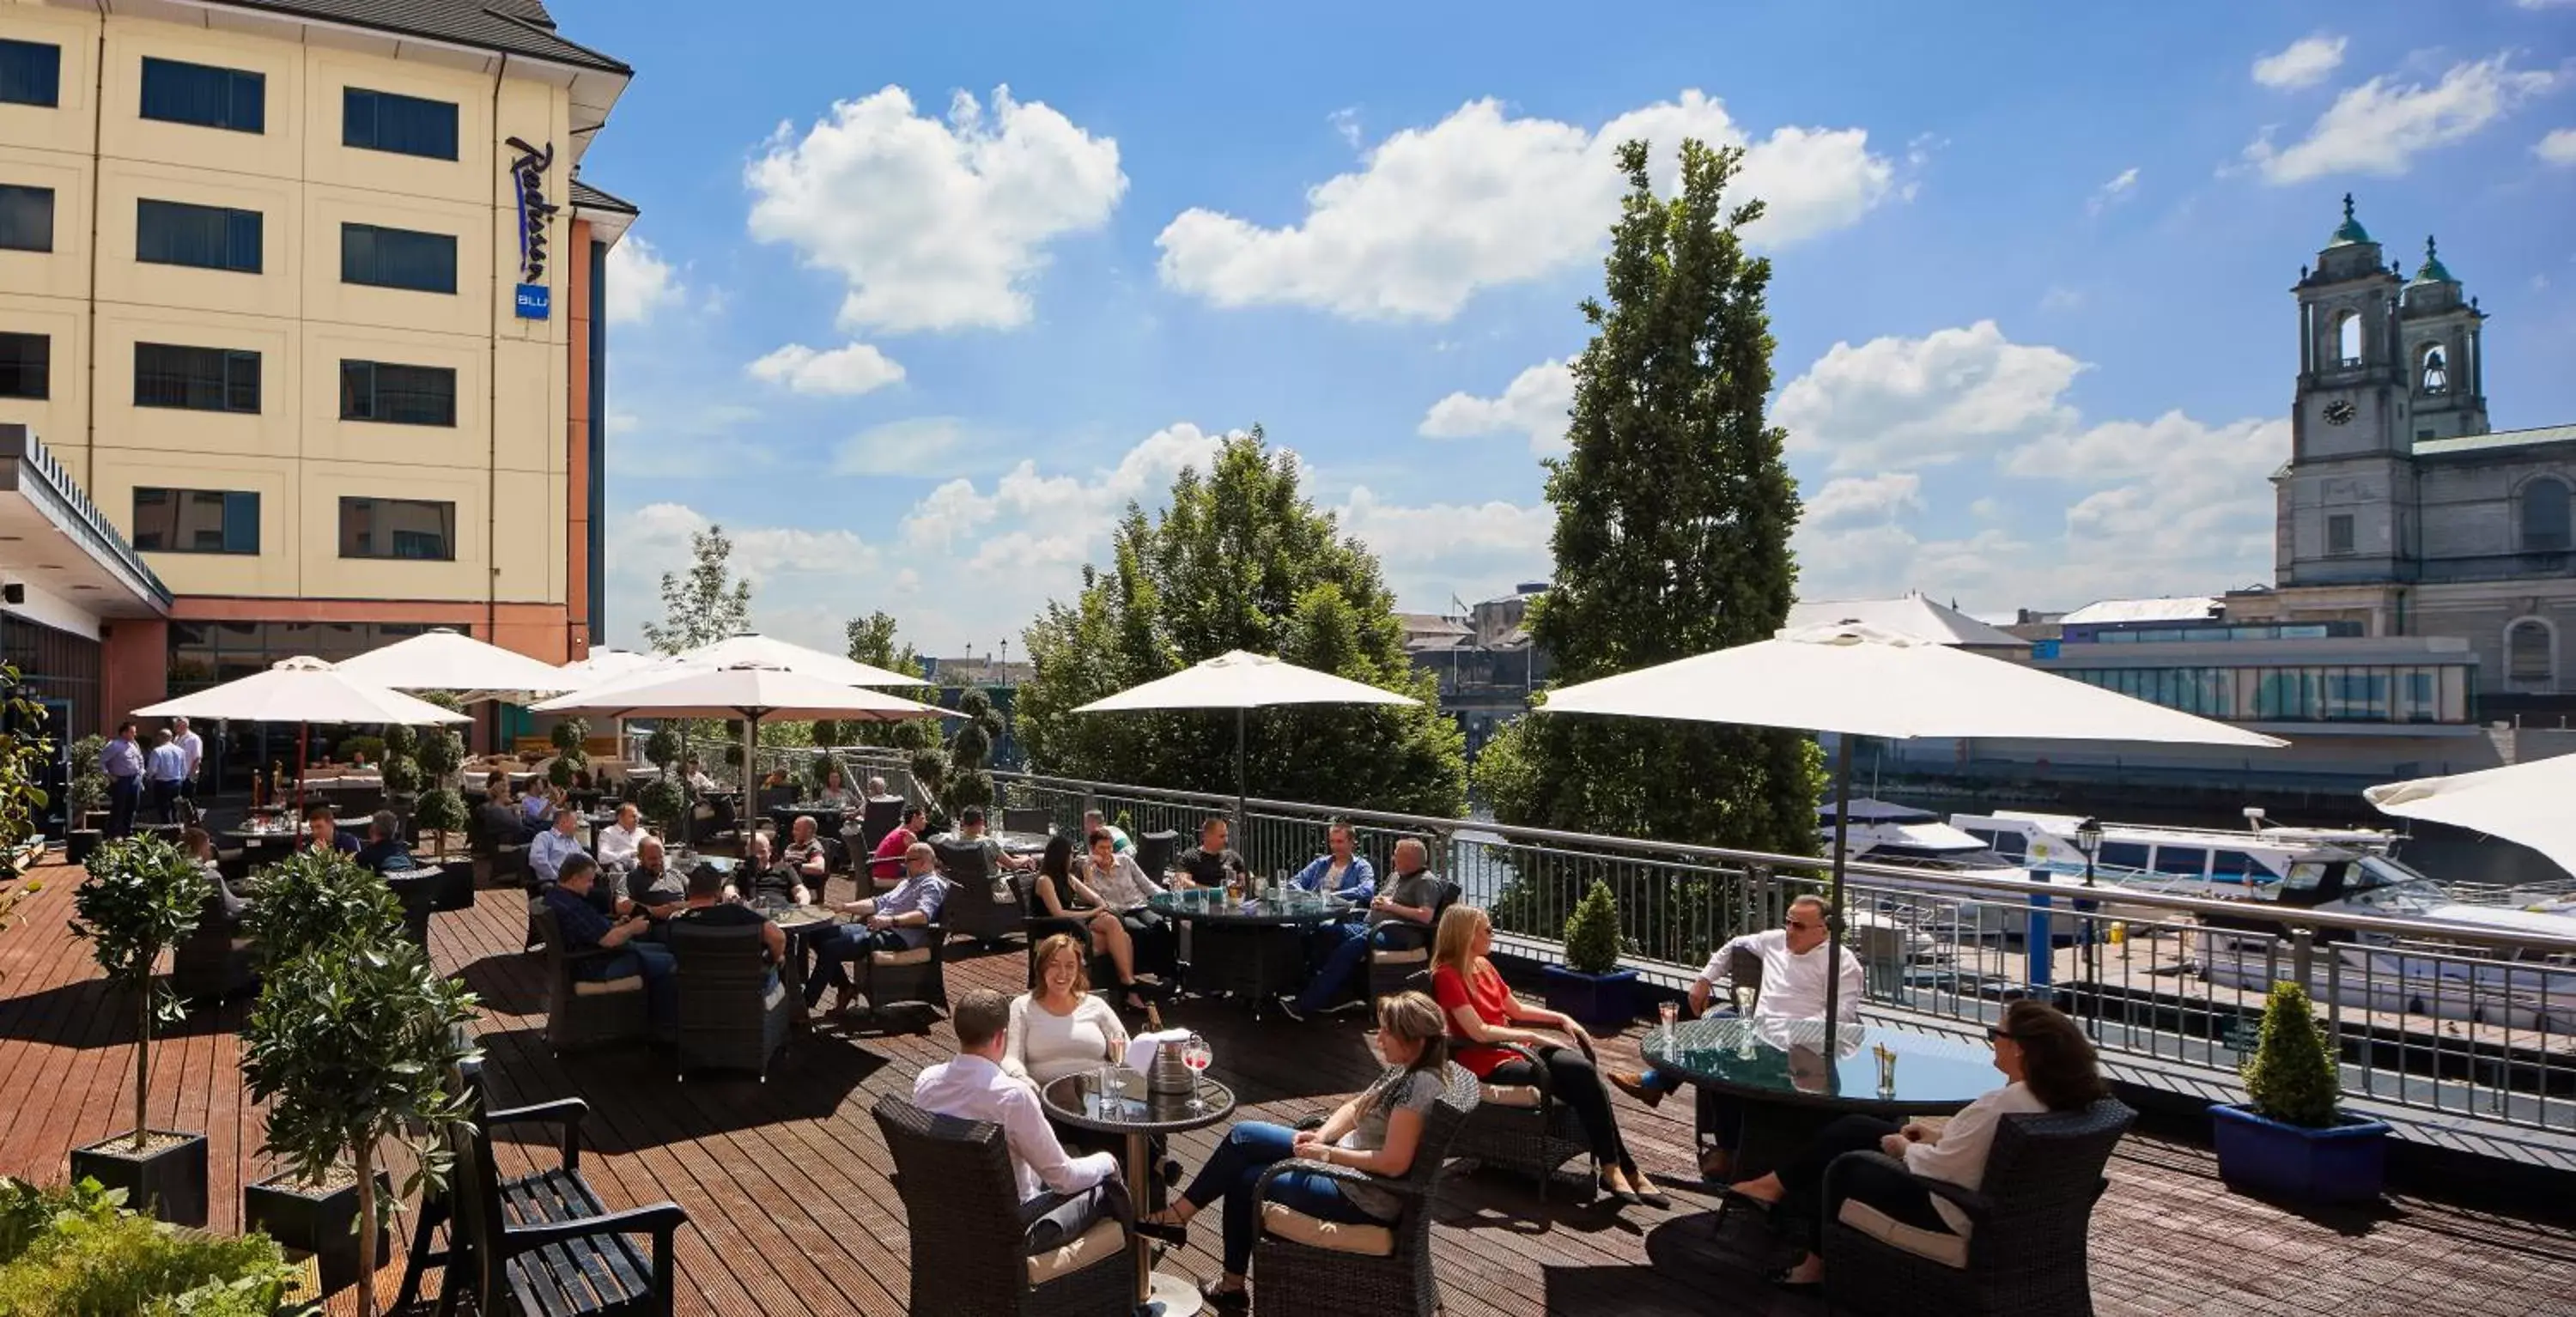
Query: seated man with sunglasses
(1795,959)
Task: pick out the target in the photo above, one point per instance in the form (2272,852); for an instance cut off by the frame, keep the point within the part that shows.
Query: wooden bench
(540,1244)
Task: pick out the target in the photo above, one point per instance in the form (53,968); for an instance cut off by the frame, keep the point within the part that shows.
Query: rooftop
(64,545)
(2186,608)
(791,1211)
(2481,443)
(511,27)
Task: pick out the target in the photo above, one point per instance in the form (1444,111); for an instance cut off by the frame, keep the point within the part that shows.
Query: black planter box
(79,842)
(318,1224)
(166,1183)
(1603,1001)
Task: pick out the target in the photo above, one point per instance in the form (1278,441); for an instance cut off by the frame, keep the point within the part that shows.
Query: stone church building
(2399,509)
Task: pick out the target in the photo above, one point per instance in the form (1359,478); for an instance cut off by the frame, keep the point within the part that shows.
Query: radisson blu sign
(528,175)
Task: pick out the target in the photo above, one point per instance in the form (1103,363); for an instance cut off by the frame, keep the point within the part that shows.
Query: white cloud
(934,224)
(2558,148)
(849,370)
(789,567)
(1900,403)
(1534,404)
(2380,126)
(2543,4)
(906,447)
(2073,510)
(2059,297)
(2305,63)
(1481,199)
(1429,552)
(640,283)
(2112,193)
(1346,125)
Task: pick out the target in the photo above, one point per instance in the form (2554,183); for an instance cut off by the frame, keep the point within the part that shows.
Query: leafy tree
(705,605)
(1674,510)
(22,763)
(402,761)
(142,896)
(311,899)
(87,789)
(440,811)
(441,755)
(963,781)
(872,641)
(1241,560)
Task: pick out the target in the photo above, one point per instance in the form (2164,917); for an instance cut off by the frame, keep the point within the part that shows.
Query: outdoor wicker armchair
(213,962)
(1392,969)
(981,904)
(735,1011)
(584,1012)
(955,1179)
(918,975)
(2026,1256)
(1308,1266)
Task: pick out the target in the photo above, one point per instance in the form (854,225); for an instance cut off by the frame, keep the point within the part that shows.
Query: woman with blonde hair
(1376,1132)
(1483,1015)
(1057,1027)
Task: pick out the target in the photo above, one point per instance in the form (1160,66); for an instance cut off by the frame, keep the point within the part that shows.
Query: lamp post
(2088,841)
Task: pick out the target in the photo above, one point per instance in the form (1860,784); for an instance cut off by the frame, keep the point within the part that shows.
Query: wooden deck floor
(791,1211)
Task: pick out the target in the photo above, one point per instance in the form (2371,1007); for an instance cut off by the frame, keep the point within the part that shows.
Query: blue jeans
(661,979)
(1236,1166)
(1339,950)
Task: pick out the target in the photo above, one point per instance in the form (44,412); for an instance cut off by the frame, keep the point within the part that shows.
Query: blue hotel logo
(534,300)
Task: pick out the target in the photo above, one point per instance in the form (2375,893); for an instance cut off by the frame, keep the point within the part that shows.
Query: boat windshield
(1927,857)
(2388,887)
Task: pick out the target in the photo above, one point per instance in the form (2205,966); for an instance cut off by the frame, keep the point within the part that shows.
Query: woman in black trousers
(2048,1065)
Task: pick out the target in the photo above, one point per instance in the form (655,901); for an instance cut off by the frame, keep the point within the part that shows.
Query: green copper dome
(2350,231)
(2433,271)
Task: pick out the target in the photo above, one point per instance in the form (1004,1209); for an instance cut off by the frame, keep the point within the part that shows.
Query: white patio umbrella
(1243,682)
(444,660)
(302,691)
(771,652)
(2532,803)
(748,692)
(1853,680)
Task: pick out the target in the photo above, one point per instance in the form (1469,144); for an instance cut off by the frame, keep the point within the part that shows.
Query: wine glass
(1669,1011)
(1195,1055)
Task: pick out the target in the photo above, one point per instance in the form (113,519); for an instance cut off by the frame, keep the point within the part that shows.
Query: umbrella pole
(1834,915)
(750,771)
(1241,837)
(302,734)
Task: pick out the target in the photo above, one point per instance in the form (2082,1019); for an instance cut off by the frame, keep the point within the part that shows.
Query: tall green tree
(872,641)
(704,605)
(1673,514)
(1240,560)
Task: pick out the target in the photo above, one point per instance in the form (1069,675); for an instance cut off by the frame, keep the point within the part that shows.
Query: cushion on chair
(1405,956)
(916,956)
(1930,1245)
(243,944)
(1508,1095)
(602,987)
(1104,1240)
(1341,1237)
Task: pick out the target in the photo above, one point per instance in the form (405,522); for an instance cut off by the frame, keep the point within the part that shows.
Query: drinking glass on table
(1669,1011)
(1195,1055)
(1745,995)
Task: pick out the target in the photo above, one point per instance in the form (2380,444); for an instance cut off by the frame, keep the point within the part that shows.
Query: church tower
(2343,497)
(2446,396)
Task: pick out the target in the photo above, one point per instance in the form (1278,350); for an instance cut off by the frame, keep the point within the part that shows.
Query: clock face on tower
(2339,411)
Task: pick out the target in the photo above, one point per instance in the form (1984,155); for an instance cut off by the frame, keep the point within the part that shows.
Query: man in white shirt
(1794,960)
(165,770)
(555,845)
(193,747)
(1061,1196)
(618,841)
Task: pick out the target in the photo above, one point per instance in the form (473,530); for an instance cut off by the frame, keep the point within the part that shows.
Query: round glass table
(1123,1105)
(1260,945)
(1783,1081)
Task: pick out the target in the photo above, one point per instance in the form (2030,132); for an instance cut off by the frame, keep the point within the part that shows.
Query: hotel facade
(301,336)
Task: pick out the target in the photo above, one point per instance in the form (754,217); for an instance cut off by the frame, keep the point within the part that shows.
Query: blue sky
(914,340)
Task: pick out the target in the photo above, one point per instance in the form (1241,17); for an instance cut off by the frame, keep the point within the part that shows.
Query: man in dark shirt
(326,834)
(584,928)
(385,851)
(651,885)
(706,906)
(1209,863)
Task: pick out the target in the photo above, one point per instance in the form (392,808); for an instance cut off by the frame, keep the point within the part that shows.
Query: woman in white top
(2050,1065)
(836,793)
(1057,1027)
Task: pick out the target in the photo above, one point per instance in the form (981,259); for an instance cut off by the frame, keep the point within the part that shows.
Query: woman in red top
(1484,1015)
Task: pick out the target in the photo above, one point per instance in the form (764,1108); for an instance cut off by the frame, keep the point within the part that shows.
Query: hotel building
(301,336)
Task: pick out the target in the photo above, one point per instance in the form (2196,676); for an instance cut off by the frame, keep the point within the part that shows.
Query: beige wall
(297,453)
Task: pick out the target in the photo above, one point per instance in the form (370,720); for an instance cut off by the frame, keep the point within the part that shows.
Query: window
(2338,534)
(26,218)
(196,521)
(206,96)
(2528,656)
(383,121)
(2128,855)
(2347,328)
(198,379)
(397,258)
(208,237)
(2236,867)
(2434,369)
(397,528)
(397,395)
(2186,861)
(31,73)
(2545,526)
(25,360)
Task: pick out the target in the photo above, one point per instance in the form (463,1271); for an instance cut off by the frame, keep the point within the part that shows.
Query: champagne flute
(1669,1011)
(1195,1055)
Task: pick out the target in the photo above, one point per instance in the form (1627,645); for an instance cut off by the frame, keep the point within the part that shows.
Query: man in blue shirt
(122,761)
(1402,917)
(547,854)
(585,929)
(324,830)
(166,771)
(385,851)
(897,921)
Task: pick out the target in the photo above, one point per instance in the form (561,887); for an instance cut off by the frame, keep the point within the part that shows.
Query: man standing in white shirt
(1794,957)
(1061,1196)
(193,747)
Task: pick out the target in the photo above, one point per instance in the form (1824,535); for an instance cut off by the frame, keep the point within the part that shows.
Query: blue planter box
(2342,1163)
(1607,1001)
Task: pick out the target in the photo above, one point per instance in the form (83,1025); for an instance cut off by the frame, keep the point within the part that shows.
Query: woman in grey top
(1376,1132)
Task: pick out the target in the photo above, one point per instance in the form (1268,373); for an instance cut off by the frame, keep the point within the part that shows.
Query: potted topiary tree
(439,812)
(401,769)
(2288,1140)
(142,896)
(83,797)
(569,737)
(1590,986)
(351,1044)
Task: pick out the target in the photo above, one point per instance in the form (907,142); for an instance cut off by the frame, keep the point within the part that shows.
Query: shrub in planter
(441,754)
(1590,986)
(315,899)
(438,813)
(2289,1140)
(142,896)
(84,795)
(76,1250)
(318,1219)
(665,804)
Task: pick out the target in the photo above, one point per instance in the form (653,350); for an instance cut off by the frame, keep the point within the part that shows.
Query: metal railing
(2474,1022)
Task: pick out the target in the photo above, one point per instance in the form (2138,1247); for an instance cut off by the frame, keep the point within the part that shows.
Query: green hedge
(77,1250)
